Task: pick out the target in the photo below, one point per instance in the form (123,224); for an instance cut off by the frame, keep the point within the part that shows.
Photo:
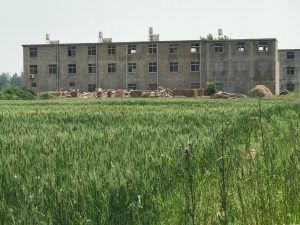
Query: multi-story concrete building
(289,69)
(235,65)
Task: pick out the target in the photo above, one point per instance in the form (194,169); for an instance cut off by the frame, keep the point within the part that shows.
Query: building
(236,65)
(289,69)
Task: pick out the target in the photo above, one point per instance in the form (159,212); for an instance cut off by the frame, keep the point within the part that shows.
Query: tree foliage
(7,80)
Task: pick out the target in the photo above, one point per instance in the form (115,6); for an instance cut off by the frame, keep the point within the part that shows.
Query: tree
(4,80)
(16,80)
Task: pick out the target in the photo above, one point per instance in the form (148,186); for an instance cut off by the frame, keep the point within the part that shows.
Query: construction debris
(227,95)
(260,91)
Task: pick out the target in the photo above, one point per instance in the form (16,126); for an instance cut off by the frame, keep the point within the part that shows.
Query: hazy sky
(27,22)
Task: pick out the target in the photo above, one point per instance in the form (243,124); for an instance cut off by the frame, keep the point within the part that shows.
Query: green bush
(16,93)
(46,95)
(211,87)
(146,95)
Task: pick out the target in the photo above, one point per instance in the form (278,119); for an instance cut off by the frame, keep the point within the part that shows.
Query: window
(131,67)
(195,85)
(132,86)
(131,49)
(290,55)
(152,67)
(173,48)
(218,66)
(111,50)
(195,48)
(33,69)
(173,66)
(33,52)
(91,87)
(241,66)
(52,69)
(33,85)
(92,68)
(72,68)
(72,51)
(241,47)
(219,86)
(290,87)
(72,84)
(263,46)
(195,66)
(111,68)
(290,70)
(92,50)
(152,49)
(219,47)
(153,87)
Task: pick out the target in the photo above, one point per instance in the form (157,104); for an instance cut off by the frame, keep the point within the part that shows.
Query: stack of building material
(156,93)
(109,93)
(74,94)
(260,91)
(136,93)
(99,93)
(119,93)
(202,92)
(185,92)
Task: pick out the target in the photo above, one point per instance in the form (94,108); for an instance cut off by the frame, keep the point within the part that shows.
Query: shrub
(18,93)
(46,95)
(211,87)
(146,95)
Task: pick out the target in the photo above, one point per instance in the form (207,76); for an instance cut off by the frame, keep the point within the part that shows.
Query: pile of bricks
(136,93)
(119,93)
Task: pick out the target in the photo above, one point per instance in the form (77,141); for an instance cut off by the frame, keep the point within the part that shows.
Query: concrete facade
(289,69)
(235,65)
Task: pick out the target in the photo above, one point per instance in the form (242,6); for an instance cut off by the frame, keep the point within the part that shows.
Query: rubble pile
(120,93)
(260,91)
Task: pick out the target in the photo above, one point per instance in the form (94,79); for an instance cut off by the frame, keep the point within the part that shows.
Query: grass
(150,161)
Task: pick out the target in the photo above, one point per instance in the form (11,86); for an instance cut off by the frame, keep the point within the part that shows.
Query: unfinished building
(289,69)
(236,65)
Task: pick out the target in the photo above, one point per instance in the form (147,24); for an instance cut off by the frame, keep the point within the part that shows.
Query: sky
(73,21)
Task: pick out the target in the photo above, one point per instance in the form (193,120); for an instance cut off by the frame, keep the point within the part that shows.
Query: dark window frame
(131,49)
(152,49)
(290,87)
(91,87)
(111,67)
(290,70)
(92,68)
(173,67)
(33,52)
(72,51)
(195,85)
(152,86)
(195,66)
(111,50)
(92,50)
(72,68)
(263,46)
(132,86)
(52,68)
(241,47)
(33,69)
(195,48)
(152,67)
(131,67)
(290,55)
(219,47)
(72,84)
(173,48)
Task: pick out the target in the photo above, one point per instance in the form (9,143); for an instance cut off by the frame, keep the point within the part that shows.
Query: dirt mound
(260,91)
